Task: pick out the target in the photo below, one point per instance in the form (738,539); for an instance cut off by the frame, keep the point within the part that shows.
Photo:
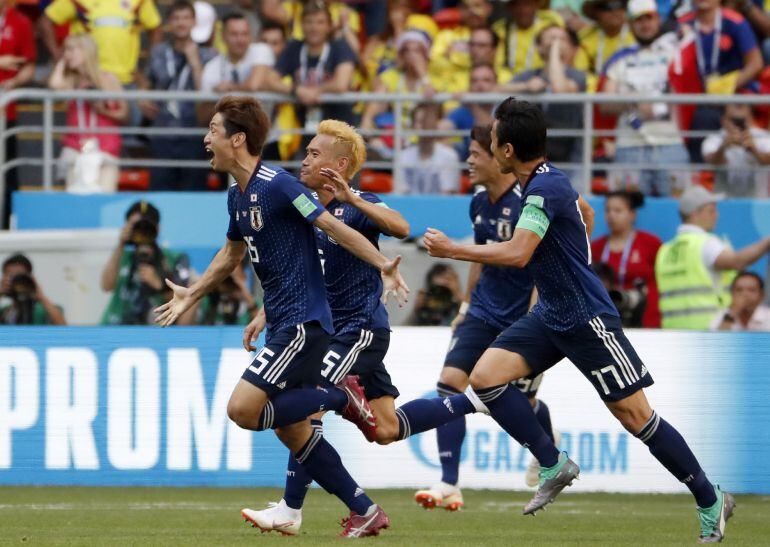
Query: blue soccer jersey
(502,295)
(274,218)
(569,292)
(353,287)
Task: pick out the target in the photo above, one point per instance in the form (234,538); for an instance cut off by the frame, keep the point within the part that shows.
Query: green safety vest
(688,297)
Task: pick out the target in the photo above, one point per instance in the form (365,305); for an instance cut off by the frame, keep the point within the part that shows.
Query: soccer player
(272,215)
(362,331)
(574,317)
(494,299)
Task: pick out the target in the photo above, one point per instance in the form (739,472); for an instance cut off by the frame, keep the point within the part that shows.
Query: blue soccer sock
(543,416)
(294,405)
(511,409)
(297,479)
(450,438)
(670,449)
(424,414)
(324,465)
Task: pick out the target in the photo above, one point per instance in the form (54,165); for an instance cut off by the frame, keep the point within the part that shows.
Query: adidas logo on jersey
(644,370)
(448,404)
(359,491)
(265,173)
(281,385)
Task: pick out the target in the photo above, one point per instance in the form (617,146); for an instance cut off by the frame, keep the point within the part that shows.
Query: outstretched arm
(514,253)
(184,298)
(358,245)
(389,221)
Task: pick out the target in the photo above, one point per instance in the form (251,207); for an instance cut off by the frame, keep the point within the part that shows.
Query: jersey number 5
(253,253)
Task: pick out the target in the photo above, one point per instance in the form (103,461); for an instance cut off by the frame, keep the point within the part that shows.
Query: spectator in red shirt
(17,66)
(629,252)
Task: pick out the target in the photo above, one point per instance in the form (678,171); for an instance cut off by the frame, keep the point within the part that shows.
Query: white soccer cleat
(532,474)
(443,495)
(278,517)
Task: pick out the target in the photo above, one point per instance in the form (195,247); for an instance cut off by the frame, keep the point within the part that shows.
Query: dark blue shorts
(361,353)
(599,349)
(291,358)
(470,340)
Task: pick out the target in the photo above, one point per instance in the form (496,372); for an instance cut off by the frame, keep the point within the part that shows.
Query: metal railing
(400,132)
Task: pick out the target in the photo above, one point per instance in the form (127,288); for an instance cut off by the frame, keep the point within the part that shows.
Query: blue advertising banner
(147,406)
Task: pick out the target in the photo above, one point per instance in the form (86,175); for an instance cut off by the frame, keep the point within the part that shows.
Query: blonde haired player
(361,328)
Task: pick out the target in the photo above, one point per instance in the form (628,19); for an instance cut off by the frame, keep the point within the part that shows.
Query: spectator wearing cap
(608,33)
(176,65)
(410,75)
(694,270)
(136,270)
(450,55)
(316,65)
(647,133)
(244,66)
(430,166)
(17,67)
(517,32)
(345,22)
(558,48)
(741,147)
(746,311)
(380,52)
(115,26)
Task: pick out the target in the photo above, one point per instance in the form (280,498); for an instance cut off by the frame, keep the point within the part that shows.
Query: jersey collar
(534,173)
(506,191)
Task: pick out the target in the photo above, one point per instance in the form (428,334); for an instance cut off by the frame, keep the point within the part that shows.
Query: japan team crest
(255,218)
(504,229)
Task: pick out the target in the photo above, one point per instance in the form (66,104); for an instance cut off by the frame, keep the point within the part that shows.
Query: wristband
(464,308)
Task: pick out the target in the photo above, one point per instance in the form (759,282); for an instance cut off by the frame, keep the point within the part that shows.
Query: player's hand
(393,284)
(337,185)
(252,330)
(437,243)
(169,312)
(459,318)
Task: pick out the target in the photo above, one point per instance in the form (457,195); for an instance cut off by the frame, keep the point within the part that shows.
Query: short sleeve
(342,53)
(762,141)
(298,197)
(26,46)
(365,222)
(233,232)
(261,55)
(61,11)
(540,209)
(148,15)
(210,76)
(288,62)
(711,144)
(711,250)
(744,38)
(478,235)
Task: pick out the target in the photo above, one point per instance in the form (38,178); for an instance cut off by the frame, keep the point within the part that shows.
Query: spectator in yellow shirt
(450,57)
(346,22)
(115,26)
(483,46)
(518,31)
(608,34)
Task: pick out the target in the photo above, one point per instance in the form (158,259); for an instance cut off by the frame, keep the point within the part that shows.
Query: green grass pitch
(198,516)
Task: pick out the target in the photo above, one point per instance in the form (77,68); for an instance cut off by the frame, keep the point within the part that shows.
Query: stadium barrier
(144,406)
(582,171)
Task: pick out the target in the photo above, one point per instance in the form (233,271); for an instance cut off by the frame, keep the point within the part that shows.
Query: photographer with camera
(438,301)
(136,270)
(229,304)
(26,303)
(630,253)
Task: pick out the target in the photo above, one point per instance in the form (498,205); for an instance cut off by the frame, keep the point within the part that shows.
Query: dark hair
(270,24)
(574,39)
(244,115)
(147,210)
(437,108)
(634,199)
(180,5)
(233,16)
(746,273)
(492,33)
(19,259)
(521,124)
(437,269)
(482,134)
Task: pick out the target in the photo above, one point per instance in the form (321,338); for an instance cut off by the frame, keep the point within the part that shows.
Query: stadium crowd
(308,48)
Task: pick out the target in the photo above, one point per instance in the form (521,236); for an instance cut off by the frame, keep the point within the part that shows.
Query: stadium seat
(134,180)
(447,18)
(376,181)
